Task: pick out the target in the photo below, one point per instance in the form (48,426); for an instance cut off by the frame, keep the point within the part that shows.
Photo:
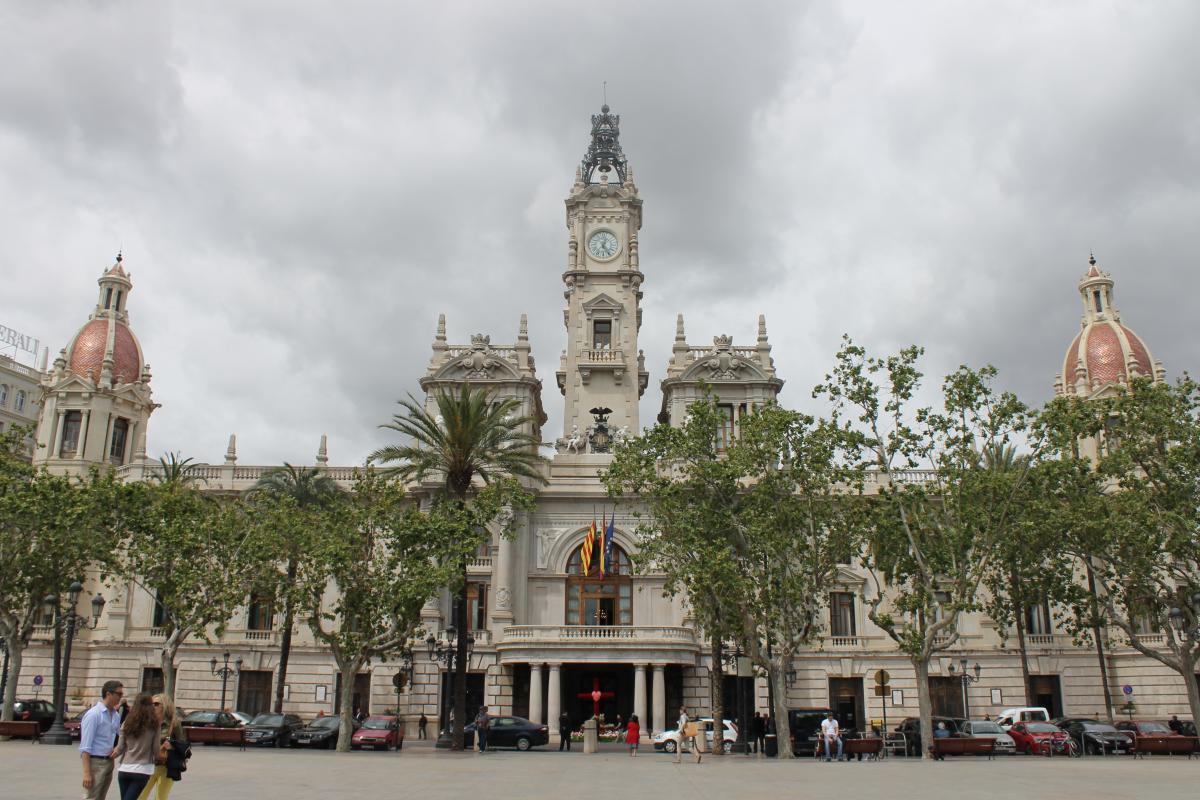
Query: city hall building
(548,638)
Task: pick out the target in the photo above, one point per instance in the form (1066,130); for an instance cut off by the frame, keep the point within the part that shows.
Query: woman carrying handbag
(688,730)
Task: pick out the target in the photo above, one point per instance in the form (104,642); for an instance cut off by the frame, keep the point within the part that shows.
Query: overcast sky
(300,188)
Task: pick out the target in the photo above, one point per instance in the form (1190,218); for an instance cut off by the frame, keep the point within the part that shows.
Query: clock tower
(602,367)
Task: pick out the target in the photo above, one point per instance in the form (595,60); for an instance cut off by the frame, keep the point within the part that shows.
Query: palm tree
(178,471)
(308,487)
(469,437)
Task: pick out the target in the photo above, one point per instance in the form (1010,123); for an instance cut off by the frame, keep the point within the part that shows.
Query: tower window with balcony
(120,433)
(841,614)
(477,606)
(602,334)
(592,600)
(260,614)
(730,421)
(72,422)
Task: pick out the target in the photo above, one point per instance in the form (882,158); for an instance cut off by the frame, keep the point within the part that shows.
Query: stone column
(502,613)
(554,701)
(639,696)
(535,693)
(660,699)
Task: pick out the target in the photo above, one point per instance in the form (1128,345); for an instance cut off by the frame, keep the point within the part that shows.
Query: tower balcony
(593,359)
(600,643)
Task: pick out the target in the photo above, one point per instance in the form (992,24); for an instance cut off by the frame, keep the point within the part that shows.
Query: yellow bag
(691,729)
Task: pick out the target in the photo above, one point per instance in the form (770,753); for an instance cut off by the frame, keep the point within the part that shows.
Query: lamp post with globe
(967,679)
(444,649)
(225,671)
(67,625)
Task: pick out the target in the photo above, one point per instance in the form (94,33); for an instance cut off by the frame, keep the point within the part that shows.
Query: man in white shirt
(830,733)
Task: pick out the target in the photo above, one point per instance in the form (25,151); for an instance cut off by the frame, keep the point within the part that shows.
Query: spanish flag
(585,552)
(603,549)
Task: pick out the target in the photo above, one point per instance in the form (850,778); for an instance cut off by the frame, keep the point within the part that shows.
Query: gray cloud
(299,189)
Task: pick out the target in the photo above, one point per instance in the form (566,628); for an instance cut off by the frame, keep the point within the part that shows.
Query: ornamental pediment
(723,363)
(603,303)
(479,361)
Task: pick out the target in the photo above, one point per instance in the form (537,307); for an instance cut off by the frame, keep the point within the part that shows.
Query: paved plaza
(44,772)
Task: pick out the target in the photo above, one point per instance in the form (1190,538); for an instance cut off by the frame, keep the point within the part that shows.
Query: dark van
(806,729)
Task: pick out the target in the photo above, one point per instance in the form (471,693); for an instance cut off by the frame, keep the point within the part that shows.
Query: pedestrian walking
(564,732)
(98,731)
(422,733)
(482,723)
(633,734)
(139,747)
(758,727)
(688,730)
(124,710)
(166,774)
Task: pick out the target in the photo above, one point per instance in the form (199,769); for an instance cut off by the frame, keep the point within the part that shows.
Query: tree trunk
(717,688)
(346,705)
(777,675)
(285,642)
(167,660)
(16,654)
(1098,635)
(460,662)
(925,707)
(1013,591)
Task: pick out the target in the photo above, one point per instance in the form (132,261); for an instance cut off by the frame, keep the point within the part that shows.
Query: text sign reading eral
(11,338)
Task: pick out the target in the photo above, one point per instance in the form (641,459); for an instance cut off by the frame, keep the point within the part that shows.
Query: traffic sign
(883,690)
(398,680)
(882,677)
(37,680)
(1127,689)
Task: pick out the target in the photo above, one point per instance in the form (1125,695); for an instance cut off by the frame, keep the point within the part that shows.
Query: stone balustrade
(598,633)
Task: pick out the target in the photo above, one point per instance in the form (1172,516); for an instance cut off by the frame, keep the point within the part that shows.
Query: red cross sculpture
(595,695)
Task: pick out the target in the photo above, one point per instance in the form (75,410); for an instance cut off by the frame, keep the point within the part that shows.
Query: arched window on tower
(72,422)
(3,394)
(19,405)
(120,434)
(595,601)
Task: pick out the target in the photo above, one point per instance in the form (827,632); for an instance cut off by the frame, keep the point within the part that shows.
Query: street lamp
(444,649)
(733,660)
(225,671)
(1178,619)
(967,678)
(67,625)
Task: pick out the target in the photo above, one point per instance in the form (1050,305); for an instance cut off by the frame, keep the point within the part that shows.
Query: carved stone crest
(722,363)
(503,598)
(481,360)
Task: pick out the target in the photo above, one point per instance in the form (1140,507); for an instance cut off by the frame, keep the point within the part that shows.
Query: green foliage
(754,532)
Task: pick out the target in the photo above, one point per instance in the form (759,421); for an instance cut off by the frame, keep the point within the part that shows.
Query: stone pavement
(44,772)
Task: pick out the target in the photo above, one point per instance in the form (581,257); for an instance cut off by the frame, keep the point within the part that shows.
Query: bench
(862,747)
(216,736)
(21,728)
(1166,745)
(964,746)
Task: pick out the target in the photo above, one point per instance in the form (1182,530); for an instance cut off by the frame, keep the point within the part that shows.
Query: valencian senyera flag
(585,552)
(604,552)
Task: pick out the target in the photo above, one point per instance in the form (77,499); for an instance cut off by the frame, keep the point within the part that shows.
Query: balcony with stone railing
(844,643)
(598,633)
(477,565)
(598,643)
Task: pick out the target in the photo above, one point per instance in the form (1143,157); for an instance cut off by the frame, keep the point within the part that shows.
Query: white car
(986,729)
(1009,716)
(669,740)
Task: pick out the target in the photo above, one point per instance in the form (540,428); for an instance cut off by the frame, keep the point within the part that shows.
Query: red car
(379,733)
(1041,738)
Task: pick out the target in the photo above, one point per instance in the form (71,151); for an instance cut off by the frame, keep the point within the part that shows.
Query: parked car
(211,719)
(74,726)
(805,726)
(1097,738)
(379,733)
(39,711)
(1041,738)
(1010,716)
(321,732)
(911,728)
(986,729)
(669,740)
(275,730)
(1145,727)
(515,732)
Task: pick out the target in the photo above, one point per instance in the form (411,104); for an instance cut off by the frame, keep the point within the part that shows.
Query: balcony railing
(842,642)
(158,633)
(602,356)
(479,563)
(260,636)
(600,633)
(1040,639)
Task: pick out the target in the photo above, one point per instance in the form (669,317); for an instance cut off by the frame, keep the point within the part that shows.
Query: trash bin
(771,746)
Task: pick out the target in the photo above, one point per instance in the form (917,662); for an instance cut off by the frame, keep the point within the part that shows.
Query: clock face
(602,245)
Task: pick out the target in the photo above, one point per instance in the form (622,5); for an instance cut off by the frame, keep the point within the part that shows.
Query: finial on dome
(119,257)
(323,451)
(1092,258)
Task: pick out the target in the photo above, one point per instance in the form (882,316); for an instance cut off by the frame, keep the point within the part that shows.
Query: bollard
(591,736)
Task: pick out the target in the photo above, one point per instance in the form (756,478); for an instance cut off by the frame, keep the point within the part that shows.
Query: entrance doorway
(254,691)
(945,695)
(361,693)
(604,688)
(846,700)
(1046,691)
(474,694)
(152,680)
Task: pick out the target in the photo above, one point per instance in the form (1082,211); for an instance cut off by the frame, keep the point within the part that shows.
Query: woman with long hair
(171,729)
(138,746)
